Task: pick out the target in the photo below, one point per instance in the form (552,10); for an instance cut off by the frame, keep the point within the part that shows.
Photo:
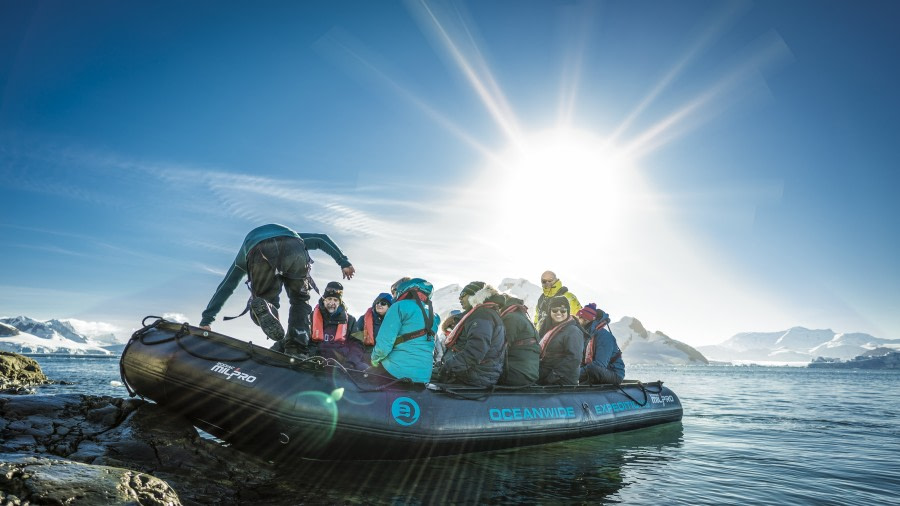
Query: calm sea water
(750,435)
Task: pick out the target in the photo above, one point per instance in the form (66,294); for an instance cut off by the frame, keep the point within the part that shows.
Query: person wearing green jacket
(523,353)
(271,257)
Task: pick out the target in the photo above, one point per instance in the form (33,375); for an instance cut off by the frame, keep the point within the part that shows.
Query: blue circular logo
(405,411)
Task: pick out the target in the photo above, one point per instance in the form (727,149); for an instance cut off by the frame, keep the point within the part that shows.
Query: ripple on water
(757,435)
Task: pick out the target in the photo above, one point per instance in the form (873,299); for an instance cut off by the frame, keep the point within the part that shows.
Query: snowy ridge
(25,335)
(797,344)
(638,345)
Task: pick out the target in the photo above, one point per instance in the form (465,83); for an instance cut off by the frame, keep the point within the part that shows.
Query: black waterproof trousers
(284,262)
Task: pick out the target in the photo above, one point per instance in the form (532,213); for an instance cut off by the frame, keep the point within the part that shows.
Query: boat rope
(644,390)
(340,366)
(185,330)
(484,394)
(138,334)
(320,363)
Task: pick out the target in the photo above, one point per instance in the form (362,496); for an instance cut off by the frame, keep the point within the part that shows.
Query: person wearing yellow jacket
(552,287)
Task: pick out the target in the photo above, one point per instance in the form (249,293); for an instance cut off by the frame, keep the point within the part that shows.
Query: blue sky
(707,167)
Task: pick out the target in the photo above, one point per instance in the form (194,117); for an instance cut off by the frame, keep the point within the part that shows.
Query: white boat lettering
(229,371)
(616,407)
(661,399)
(529,413)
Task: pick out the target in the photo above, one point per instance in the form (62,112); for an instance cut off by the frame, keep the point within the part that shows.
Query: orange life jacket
(369,328)
(318,328)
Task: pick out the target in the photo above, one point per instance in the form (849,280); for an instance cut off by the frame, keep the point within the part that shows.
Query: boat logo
(405,411)
(662,399)
(229,371)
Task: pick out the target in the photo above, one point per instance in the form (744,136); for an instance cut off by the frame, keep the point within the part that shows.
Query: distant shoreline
(67,355)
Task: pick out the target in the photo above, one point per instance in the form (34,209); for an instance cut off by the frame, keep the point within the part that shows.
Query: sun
(564,176)
(550,193)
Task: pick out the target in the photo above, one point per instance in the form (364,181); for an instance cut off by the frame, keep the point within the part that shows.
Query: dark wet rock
(129,436)
(42,480)
(18,373)
(79,449)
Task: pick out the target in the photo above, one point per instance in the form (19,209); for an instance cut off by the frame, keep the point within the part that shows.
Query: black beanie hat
(559,300)
(472,288)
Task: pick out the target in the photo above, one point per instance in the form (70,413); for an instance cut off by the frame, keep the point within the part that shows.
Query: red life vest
(513,308)
(457,330)
(318,328)
(590,351)
(550,334)
(369,328)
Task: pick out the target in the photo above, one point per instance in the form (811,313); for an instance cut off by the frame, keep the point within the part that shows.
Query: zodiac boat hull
(277,407)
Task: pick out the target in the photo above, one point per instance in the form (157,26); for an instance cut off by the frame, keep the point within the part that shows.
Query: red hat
(588,312)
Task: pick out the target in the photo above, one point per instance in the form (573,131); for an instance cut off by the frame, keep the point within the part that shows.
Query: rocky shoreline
(98,450)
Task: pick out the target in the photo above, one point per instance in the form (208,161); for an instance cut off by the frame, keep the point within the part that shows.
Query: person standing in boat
(552,287)
(331,328)
(602,363)
(368,324)
(562,343)
(474,350)
(273,256)
(405,343)
(523,353)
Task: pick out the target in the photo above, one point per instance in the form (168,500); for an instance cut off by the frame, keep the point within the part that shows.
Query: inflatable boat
(279,407)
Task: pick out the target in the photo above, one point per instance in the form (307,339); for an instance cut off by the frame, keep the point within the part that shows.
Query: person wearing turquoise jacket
(404,346)
(273,256)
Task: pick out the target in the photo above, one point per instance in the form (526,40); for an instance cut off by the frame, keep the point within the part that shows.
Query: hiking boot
(265,317)
(295,350)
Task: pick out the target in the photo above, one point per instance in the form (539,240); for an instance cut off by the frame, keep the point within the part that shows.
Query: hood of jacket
(423,286)
(553,289)
(486,294)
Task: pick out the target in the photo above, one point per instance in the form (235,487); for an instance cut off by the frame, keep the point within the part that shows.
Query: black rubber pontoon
(277,407)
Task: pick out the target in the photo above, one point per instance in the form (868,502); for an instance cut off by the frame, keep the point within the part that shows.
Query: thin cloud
(93,329)
(176,317)
(51,249)
(211,270)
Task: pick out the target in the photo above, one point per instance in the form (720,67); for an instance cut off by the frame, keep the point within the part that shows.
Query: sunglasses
(547,281)
(559,310)
(381,303)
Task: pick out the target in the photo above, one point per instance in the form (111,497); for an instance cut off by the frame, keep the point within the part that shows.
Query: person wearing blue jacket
(273,256)
(602,363)
(404,345)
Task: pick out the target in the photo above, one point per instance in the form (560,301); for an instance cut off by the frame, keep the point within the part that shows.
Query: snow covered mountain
(25,335)
(797,344)
(638,345)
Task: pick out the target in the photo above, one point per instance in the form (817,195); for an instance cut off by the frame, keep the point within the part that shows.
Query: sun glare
(558,183)
(568,170)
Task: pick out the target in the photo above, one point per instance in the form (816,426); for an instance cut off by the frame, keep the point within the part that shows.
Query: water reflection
(583,470)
